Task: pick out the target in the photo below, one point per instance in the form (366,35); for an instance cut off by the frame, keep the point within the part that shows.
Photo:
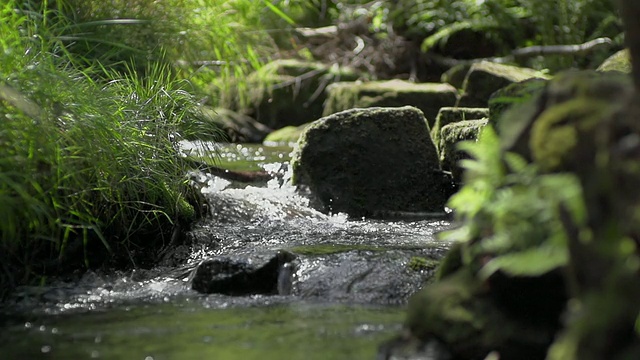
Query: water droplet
(45,349)
(28,325)
(95,354)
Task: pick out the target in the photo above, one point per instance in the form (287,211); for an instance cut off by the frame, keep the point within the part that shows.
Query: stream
(341,293)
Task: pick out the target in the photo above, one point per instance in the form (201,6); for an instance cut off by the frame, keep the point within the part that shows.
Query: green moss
(328,249)
(428,97)
(448,115)
(287,134)
(417,263)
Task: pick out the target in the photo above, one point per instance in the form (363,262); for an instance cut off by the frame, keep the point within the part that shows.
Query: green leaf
(531,262)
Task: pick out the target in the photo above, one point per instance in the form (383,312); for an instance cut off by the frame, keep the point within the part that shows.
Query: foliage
(511,23)
(198,40)
(521,229)
(86,166)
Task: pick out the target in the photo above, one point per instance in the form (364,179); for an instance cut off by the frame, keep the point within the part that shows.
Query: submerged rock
(428,97)
(371,161)
(381,276)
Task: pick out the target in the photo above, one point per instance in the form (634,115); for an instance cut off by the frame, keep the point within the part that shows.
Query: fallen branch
(562,49)
(530,51)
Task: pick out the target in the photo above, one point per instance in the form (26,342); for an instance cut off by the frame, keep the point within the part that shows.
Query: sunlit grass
(89,167)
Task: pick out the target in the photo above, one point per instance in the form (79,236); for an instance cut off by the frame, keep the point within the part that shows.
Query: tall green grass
(90,167)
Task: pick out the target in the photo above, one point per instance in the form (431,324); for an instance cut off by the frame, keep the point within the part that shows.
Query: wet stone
(267,273)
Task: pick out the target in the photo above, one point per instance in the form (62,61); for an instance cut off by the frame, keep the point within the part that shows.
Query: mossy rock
(451,135)
(620,61)
(448,115)
(371,161)
(286,135)
(428,97)
(510,95)
(484,78)
(288,92)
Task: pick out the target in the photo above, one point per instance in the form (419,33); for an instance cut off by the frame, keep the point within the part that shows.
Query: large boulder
(428,97)
(486,77)
(367,162)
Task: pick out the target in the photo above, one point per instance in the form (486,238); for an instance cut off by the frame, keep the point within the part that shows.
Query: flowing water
(154,314)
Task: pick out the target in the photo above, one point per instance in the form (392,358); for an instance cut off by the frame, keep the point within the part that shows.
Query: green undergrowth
(211,43)
(90,166)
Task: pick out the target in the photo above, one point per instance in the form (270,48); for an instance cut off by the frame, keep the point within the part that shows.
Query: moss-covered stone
(428,97)
(448,115)
(370,161)
(286,135)
(288,91)
(510,95)
(620,61)
(484,78)
(451,135)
